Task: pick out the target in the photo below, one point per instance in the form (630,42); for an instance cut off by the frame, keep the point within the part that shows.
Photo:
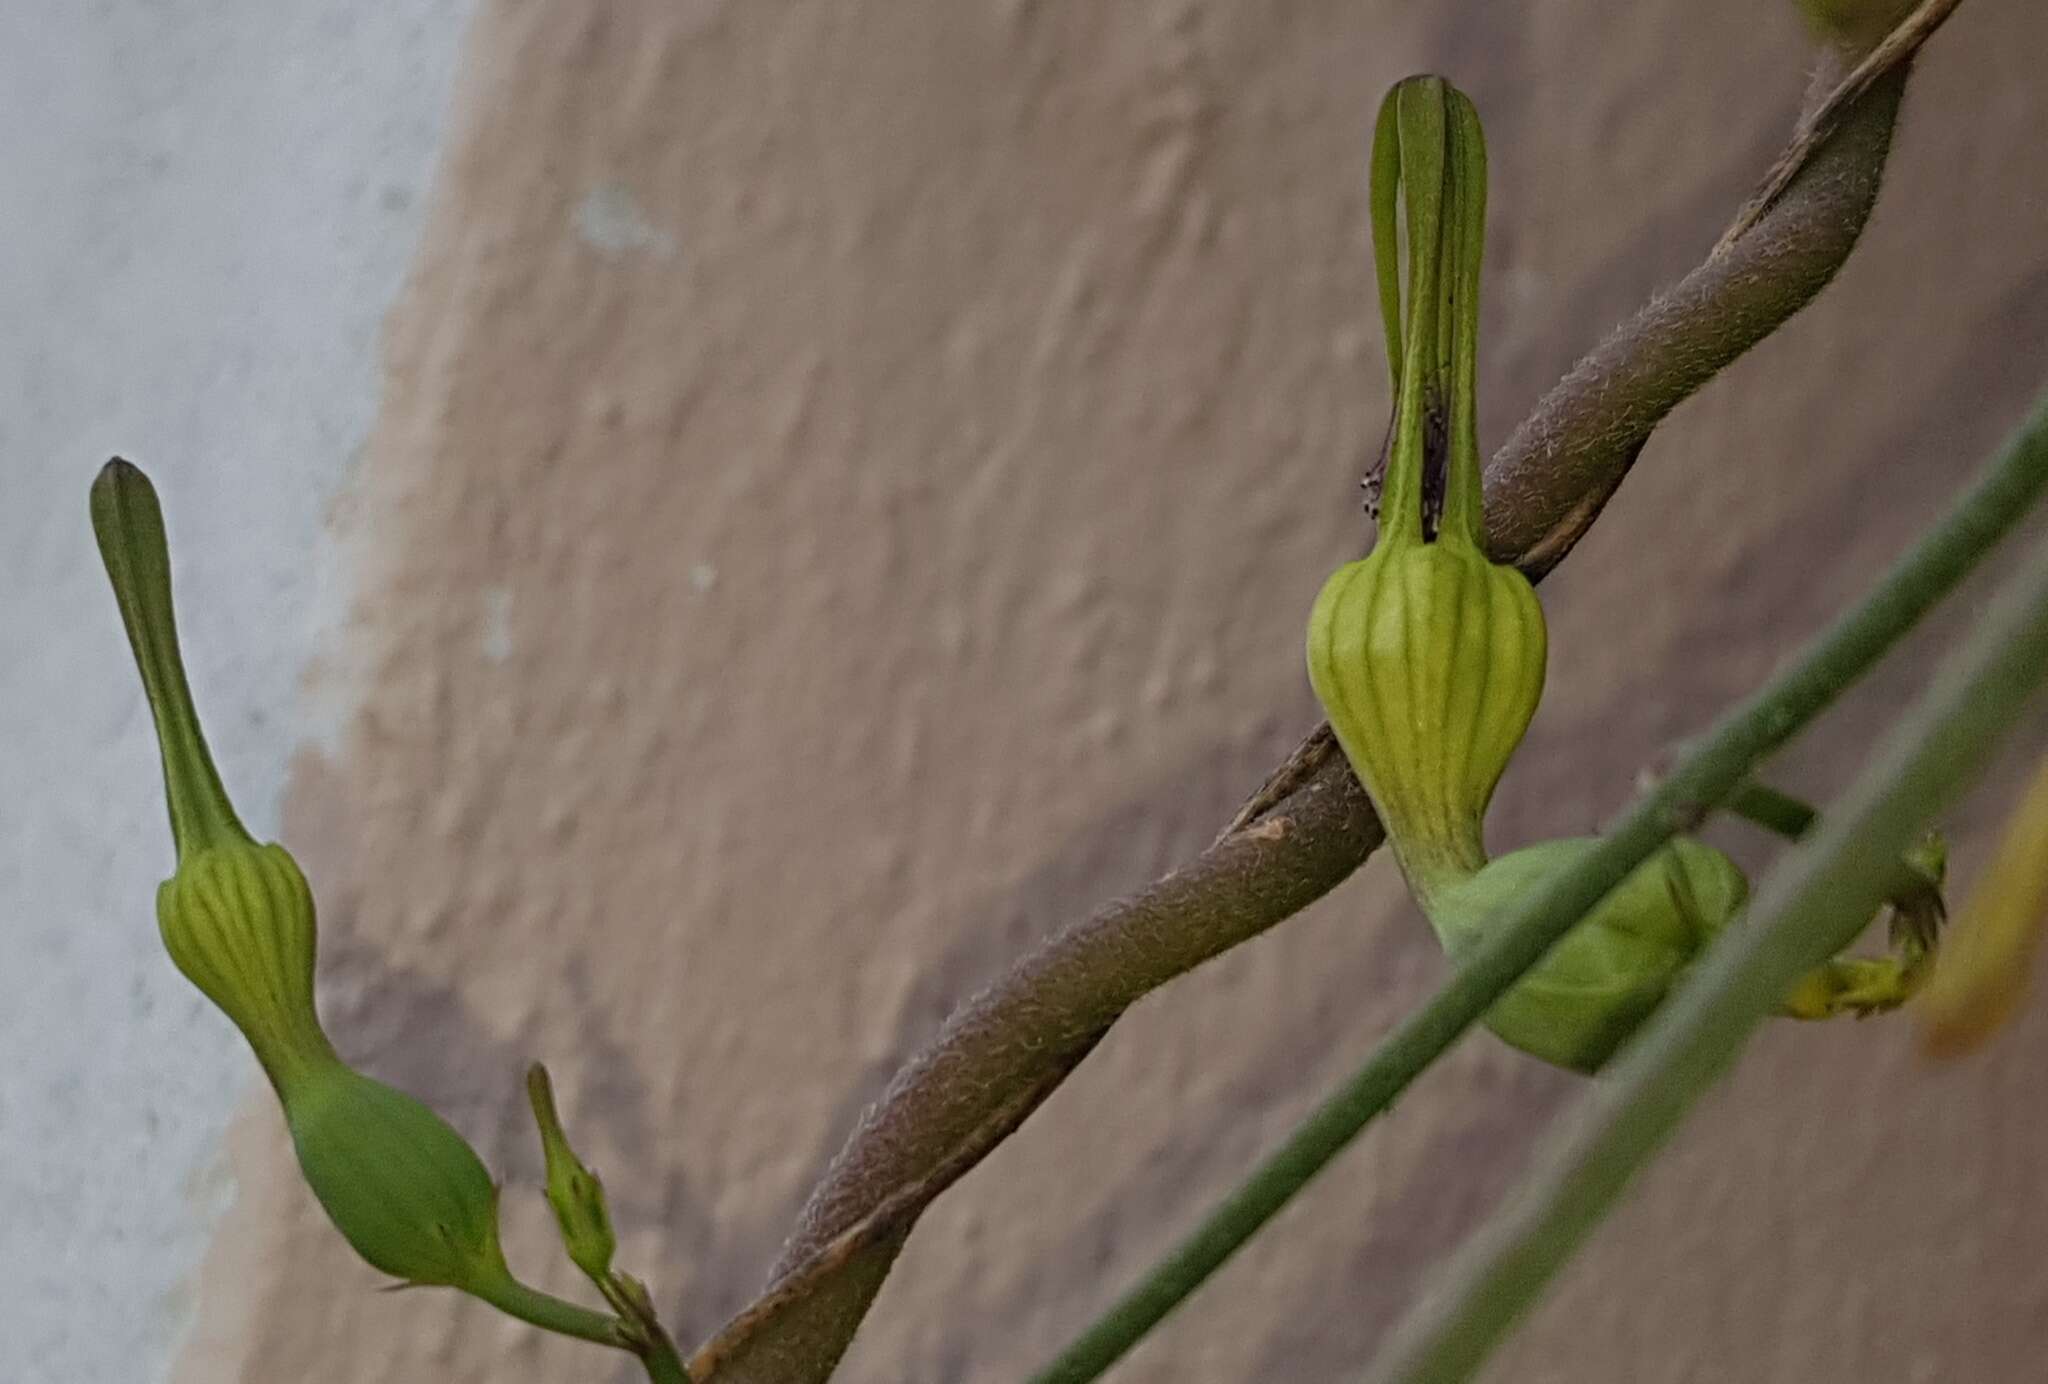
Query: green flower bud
(1427,657)
(236,916)
(574,1191)
(399,1183)
(1597,985)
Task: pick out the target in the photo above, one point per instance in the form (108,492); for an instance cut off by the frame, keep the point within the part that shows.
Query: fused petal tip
(129,524)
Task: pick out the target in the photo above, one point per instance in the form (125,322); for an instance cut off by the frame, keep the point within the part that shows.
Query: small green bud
(574,1191)
(1597,985)
(399,1183)
(1427,657)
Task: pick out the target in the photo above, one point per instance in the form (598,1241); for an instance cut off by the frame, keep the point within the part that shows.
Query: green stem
(1520,936)
(1809,908)
(664,1366)
(551,1313)
(1776,812)
(654,1346)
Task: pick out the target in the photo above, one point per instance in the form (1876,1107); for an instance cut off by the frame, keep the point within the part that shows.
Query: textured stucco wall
(848,485)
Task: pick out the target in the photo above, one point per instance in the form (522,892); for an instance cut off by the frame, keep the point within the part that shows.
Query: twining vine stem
(1893,51)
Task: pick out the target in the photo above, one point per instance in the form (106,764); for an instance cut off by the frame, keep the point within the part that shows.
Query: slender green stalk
(1715,768)
(1775,812)
(551,1313)
(1810,907)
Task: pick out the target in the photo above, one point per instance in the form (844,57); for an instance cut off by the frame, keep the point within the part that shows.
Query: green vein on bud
(238,921)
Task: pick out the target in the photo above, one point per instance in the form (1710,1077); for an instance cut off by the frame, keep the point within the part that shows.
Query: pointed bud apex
(399,1183)
(1986,963)
(236,917)
(1592,990)
(574,1191)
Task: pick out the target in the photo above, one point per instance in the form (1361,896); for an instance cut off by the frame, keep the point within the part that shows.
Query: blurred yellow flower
(1985,963)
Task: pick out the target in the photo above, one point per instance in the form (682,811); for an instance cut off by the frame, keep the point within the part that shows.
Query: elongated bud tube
(399,1183)
(1427,657)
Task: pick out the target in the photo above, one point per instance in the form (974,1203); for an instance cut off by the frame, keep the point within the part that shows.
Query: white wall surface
(206,208)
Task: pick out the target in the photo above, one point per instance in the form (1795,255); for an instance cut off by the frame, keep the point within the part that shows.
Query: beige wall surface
(850,483)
